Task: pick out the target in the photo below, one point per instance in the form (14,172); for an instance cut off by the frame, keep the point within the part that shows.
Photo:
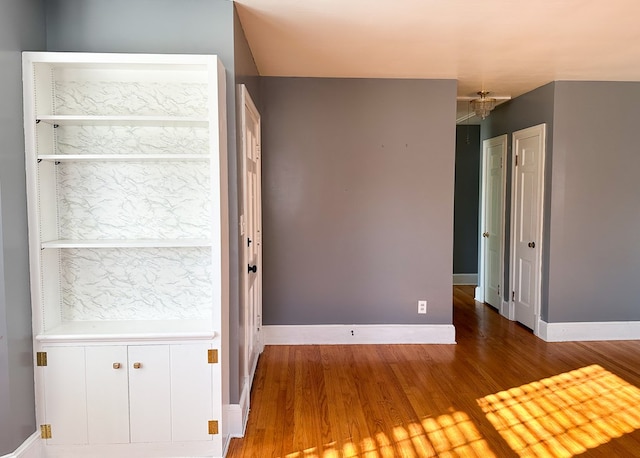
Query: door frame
(247,105)
(484,178)
(516,137)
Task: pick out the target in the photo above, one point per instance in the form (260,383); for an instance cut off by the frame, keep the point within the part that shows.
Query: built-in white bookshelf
(126,176)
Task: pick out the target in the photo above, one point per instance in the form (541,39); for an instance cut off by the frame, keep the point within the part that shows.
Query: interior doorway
(251,233)
(492,197)
(528,158)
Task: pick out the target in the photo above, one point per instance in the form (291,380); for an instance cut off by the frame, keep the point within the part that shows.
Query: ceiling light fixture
(483,106)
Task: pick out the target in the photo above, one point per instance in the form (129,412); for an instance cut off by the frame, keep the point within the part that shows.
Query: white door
(252,212)
(107,394)
(192,392)
(149,393)
(492,219)
(526,223)
(65,397)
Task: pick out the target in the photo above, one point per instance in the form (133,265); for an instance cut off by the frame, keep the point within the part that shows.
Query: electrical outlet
(422,307)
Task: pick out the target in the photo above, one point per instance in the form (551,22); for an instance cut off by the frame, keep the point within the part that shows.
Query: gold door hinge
(45,431)
(41,358)
(212,356)
(213,427)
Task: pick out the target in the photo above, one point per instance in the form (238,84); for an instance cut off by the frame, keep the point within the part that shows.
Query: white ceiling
(507,47)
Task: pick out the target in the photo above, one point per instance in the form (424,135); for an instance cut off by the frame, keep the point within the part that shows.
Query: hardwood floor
(499,392)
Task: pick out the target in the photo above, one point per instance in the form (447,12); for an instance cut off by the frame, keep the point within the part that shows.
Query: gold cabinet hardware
(41,358)
(137,365)
(117,365)
(45,431)
(212,356)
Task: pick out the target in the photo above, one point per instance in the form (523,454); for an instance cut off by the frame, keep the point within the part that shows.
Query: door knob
(485,234)
(253,269)
(117,365)
(137,365)
(532,244)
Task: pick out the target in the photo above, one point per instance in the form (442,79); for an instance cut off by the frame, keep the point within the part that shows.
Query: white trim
(465,279)
(589,331)
(234,420)
(238,414)
(479,296)
(506,311)
(30,448)
(334,334)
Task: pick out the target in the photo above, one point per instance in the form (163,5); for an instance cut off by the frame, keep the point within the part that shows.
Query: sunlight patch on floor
(564,415)
(453,434)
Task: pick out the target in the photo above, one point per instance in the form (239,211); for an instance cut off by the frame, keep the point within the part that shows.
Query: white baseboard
(504,310)
(465,279)
(589,331)
(238,414)
(479,294)
(30,448)
(360,334)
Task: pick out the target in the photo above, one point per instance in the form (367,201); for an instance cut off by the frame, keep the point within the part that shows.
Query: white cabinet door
(149,393)
(191,392)
(116,394)
(107,394)
(65,395)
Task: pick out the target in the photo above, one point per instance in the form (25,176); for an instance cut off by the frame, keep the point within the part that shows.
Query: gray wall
(163,26)
(595,207)
(357,200)
(591,257)
(22,27)
(530,109)
(467,198)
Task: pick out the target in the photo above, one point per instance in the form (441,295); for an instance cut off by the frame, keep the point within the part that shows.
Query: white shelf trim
(122,120)
(141,243)
(130,330)
(123,157)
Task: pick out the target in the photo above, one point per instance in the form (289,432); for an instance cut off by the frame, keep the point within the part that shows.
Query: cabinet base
(208,449)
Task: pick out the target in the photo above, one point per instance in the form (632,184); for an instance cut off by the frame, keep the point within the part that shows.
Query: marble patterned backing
(136,284)
(134,200)
(109,98)
(86,140)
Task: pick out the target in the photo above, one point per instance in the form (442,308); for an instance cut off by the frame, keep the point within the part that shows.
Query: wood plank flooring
(500,392)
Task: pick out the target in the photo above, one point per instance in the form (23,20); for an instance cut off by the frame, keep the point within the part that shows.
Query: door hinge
(45,431)
(516,160)
(500,162)
(212,356)
(498,290)
(41,358)
(513,295)
(213,427)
